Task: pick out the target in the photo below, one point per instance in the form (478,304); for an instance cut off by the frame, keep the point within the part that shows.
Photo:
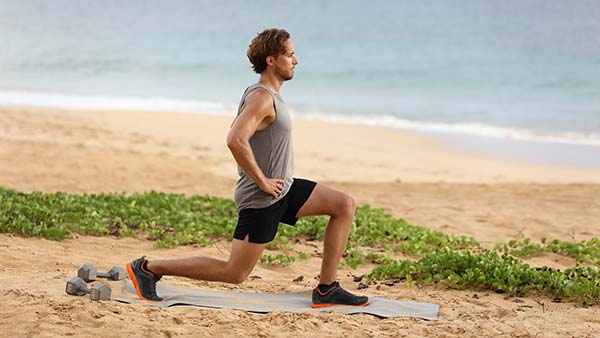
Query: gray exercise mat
(263,302)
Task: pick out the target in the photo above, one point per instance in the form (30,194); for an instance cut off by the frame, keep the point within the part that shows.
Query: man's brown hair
(270,42)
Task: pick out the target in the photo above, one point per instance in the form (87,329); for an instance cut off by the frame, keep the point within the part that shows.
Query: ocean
(517,69)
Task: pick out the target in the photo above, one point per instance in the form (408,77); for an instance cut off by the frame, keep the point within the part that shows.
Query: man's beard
(284,75)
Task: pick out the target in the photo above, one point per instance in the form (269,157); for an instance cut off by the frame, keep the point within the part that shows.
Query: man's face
(285,63)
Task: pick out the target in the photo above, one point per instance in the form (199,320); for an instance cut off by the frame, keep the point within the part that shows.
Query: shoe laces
(344,292)
(154,279)
(153,289)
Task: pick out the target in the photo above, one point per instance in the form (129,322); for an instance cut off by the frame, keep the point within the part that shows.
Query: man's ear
(270,60)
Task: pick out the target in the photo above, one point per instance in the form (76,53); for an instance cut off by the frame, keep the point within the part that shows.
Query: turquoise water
(525,70)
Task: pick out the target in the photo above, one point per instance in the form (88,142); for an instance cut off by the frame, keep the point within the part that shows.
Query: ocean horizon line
(26,99)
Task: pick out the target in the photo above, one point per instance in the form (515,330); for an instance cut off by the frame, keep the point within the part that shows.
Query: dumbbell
(77,287)
(89,273)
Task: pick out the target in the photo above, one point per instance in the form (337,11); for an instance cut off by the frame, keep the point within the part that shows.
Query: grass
(434,257)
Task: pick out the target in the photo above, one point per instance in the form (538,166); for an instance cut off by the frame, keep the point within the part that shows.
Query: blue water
(518,69)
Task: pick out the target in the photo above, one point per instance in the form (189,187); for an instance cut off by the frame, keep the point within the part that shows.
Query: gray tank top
(274,153)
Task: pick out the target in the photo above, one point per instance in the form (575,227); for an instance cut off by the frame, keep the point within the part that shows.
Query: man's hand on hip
(272,186)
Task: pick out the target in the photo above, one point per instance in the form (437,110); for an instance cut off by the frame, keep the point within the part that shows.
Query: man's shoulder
(259,93)
(259,96)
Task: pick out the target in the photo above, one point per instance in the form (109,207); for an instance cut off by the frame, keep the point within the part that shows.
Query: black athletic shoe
(336,296)
(143,280)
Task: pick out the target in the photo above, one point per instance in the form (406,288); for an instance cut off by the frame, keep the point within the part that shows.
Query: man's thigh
(323,200)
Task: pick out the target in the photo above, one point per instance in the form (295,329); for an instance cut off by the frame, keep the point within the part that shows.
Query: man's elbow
(234,143)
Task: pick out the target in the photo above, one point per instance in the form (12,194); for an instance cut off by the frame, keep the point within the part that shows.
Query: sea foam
(94,102)
(11,98)
(465,128)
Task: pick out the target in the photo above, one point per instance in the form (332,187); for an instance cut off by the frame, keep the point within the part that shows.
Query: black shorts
(261,224)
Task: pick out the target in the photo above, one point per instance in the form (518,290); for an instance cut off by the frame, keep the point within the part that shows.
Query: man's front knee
(347,206)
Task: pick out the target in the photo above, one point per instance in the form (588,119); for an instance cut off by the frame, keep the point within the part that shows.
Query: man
(260,140)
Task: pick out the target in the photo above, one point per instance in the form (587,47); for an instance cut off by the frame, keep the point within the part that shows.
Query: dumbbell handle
(103,274)
(80,291)
(89,273)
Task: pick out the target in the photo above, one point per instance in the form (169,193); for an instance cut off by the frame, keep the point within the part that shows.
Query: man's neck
(271,82)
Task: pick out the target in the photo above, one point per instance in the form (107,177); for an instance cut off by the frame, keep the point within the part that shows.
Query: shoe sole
(320,306)
(135,283)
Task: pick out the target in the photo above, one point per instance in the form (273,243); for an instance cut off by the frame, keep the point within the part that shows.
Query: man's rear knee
(236,277)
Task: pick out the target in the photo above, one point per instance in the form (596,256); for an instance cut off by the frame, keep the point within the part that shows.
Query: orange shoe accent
(320,306)
(326,292)
(135,283)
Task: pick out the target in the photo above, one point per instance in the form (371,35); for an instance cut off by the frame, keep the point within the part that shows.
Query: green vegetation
(279,259)
(499,273)
(303,256)
(583,252)
(167,219)
(175,219)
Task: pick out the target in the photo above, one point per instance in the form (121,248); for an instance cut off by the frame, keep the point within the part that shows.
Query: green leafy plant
(502,273)
(587,251)
(176,219)
(354,258)
(279,259)
(167,219)
(303,256)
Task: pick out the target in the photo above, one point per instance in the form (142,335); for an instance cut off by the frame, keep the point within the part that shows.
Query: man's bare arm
(257,114)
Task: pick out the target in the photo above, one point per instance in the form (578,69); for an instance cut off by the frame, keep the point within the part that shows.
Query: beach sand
(416,178)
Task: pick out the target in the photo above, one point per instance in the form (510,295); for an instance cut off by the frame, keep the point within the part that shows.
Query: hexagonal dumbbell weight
(77,287)
(89,273)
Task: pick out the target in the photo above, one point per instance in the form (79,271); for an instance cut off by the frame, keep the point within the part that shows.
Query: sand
(417,178)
